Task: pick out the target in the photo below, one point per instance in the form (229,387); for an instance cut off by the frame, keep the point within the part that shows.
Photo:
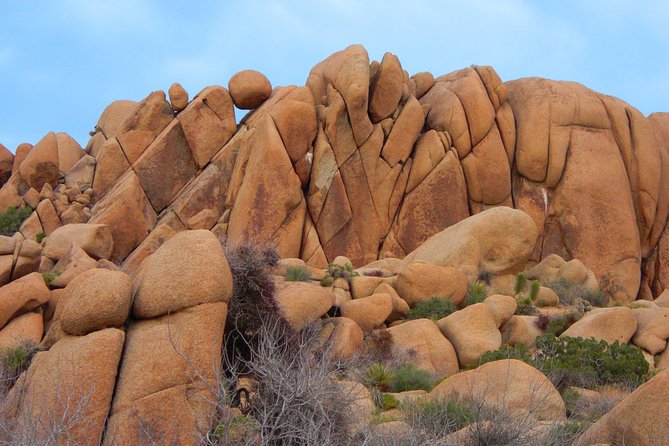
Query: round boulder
(368,312)
(187,270)
(419,281)
(609,324)
(303,302)
(94,300)
(249,89)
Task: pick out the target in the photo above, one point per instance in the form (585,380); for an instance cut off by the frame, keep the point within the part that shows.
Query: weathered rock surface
(609,324)
(422,343)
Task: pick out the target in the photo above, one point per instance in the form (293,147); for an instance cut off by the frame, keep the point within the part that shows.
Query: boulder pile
(442,218)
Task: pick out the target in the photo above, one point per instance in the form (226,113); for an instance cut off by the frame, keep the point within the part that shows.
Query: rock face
(635,419)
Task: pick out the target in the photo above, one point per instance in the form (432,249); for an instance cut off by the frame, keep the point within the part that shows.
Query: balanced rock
(249,89)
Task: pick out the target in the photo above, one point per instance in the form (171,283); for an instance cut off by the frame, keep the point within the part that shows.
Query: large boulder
(368,312)
(95,239)
(22,295)
(53,155)
(27,328)
(497,240)
(343,337)
(652,329)
(189,269)
(472,331)
(68,389)
(182,351)
(609,324)
(249,89)
(421,342)
(303,302)
(637,419)
(94,300)
(418,282)
(509,385)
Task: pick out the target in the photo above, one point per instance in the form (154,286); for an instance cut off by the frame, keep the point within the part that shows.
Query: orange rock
(303,302)
(249,89)
(74,262)
(41,163)
(160,234)
(386,88)
(609,324)
(22,295)
(143,124)
(113,116)
(419,282)
(368,312)
(296,122)
(48,217)
(421,342)
(25,328)
(95,239)
(128,213)
(404,134)
(6,163)
(343,337)
(178,97)
(171,278)
(165,166)
(111,164)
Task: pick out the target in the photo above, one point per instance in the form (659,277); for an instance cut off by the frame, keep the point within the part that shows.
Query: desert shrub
(40,236)
(520,352)
(13,362)
(296,398)
(327,281)
(344,271)
(588,362)
(11,219)
(410,377)
(434,308)
(373,273)
(437,418)
(521,280)
(569,293)
(235,430)
(556,325)
(379,346)
(535,286)
(542,321)
(524,305)
(566,433)
(379,376)
(297,274)
(476,293)
(48,276)
(384,401)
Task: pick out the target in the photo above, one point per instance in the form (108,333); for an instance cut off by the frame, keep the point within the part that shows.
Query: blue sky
(63,61)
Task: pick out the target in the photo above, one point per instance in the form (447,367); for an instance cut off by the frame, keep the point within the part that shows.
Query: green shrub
(49,276)
(438,417)
(345,271)
(410,377)
(235,430)
(389,402)
(566,433)
(476,293)
(435,308)
(524,305)
(297,274)
(535,286)
(11,219)
(520,352)
(379,376)
(556,325)
(327,281)
(569,293)
(521,280)
(40,236)
(588,362)
(13,362)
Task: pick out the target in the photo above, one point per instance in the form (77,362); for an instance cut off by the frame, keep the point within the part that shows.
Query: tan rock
(296,122)
(31,226)
(421,342)
(208,123)
(634,420)
(249,89)
(546,297)
(521,330)
(652,329)
(96,300)
(509,385)
(41,163)
(155,240)
(385,89)
(22,295)
(71,385)
(343,337)
(143,124)
(7,245)
(363,286)
(20,155)
(73,263)
(111,164)
(503,307)
(165,166)
(400,307)
(609,324)
(48,217)
(6,267)
(80,176)
(663,299)
(6,162)
(95,239)
(303,302)
(472,331)
(424,81)
(418,282)
(368,312)
(128,213)
(113,116)
(173,277)
(404,133)
(25,328)
(31,198)
(497,240)
(178,97)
